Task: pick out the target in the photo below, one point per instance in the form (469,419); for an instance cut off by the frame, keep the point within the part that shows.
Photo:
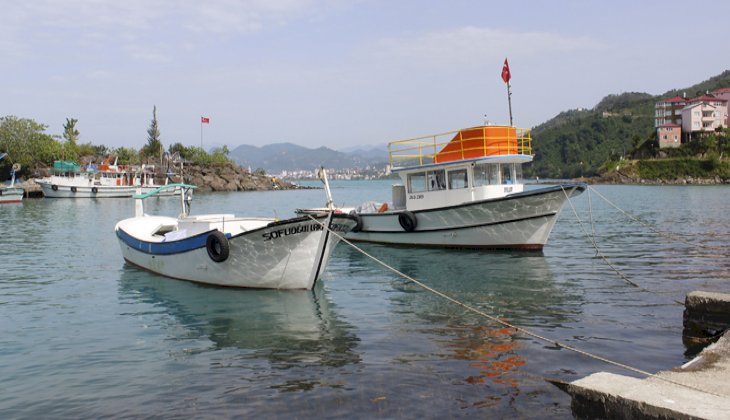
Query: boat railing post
(138,206)
(323,177)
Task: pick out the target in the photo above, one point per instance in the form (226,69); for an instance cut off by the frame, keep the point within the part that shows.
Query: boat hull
(289,254)
(518,221)
(87,191)
(11,195)
(51,190)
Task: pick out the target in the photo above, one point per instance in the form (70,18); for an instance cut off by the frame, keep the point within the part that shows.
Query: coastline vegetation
(28,144)
(620,129)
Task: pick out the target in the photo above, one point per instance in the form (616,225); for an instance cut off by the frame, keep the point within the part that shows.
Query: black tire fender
(73,189)
(94,190)
(217,246)
(54,187)
(358,221)
(407,221)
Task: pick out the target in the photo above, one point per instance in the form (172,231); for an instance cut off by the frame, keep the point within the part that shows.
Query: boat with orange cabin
(464,189)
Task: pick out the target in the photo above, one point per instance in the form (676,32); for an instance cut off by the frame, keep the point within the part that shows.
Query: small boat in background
(11,193)
(464,189)
(226,250)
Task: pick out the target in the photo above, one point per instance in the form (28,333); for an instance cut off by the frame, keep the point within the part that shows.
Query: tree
(25,141)
(154,145)
(71,135)
(127,156)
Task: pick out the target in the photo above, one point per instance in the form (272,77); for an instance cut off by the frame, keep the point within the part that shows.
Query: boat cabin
(452,168)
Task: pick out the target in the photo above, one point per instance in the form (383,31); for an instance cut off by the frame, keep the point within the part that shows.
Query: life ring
(94,190)
(54,187)
(73,189)
(217,246)
(407,221)
(358,221)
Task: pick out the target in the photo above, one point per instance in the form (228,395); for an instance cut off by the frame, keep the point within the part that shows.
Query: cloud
(465,45)
(140,27)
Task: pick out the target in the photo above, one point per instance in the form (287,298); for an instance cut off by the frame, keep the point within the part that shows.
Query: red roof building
(669,111)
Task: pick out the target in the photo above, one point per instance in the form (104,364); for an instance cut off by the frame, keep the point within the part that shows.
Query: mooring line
(507,324)
(602,255)
(667,235)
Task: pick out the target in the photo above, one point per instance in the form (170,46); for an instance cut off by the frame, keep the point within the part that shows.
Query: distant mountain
(366,148)
(579,142)
(278,157)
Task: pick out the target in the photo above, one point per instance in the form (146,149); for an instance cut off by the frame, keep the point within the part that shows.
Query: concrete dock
(698,389)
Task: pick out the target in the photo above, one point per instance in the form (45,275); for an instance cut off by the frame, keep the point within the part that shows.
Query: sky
(338,73)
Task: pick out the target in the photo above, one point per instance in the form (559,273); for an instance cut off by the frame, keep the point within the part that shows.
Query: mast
(506,76)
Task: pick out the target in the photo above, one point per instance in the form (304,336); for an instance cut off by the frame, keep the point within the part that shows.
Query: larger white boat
(226,250)
(464,189)
(71,180)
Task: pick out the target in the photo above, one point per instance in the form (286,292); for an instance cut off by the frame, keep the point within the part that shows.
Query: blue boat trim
(525,158)
(165,248)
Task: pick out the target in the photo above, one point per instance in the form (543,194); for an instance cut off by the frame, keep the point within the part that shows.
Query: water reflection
(284,327)
(517,287)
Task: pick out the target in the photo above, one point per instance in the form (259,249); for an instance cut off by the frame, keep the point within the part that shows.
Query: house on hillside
(705,113)
(669,111)
(686,118)
(724,93)
(669,135)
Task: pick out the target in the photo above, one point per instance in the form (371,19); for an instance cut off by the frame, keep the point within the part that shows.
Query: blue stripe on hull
(165,248)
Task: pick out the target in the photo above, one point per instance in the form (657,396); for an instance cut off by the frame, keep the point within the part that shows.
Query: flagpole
(201,131)
(509,100)
(506,76)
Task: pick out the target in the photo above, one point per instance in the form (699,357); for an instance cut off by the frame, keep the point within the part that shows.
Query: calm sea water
(84,336)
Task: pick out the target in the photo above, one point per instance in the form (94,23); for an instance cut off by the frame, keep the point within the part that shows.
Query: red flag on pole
(505,72)
(204,120)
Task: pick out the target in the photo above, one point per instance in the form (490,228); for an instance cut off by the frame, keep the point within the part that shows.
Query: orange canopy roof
(476,142)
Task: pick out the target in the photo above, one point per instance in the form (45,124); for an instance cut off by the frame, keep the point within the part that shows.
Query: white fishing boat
(464,189)
(226,250)
(71,180)
(11,193)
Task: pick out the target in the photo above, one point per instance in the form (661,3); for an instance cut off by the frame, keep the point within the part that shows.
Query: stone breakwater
(231,178)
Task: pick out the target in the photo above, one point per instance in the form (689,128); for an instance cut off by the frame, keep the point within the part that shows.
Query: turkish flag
(505,72)
(204,120)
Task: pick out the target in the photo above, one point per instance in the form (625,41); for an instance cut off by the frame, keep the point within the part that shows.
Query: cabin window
(436,180)
(417,182)
(507,175)
(457,179)
(481,175)
(518,173)
(486,174)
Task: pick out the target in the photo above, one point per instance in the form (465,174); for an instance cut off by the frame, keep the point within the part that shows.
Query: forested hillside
(578,142)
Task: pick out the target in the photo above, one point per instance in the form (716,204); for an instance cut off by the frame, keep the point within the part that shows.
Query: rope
(667,235)
(507,324)
(603,256)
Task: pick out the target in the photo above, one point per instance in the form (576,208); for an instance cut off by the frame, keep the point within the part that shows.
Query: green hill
(576,143)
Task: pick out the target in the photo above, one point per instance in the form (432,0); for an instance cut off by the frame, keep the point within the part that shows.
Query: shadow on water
(283,327)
